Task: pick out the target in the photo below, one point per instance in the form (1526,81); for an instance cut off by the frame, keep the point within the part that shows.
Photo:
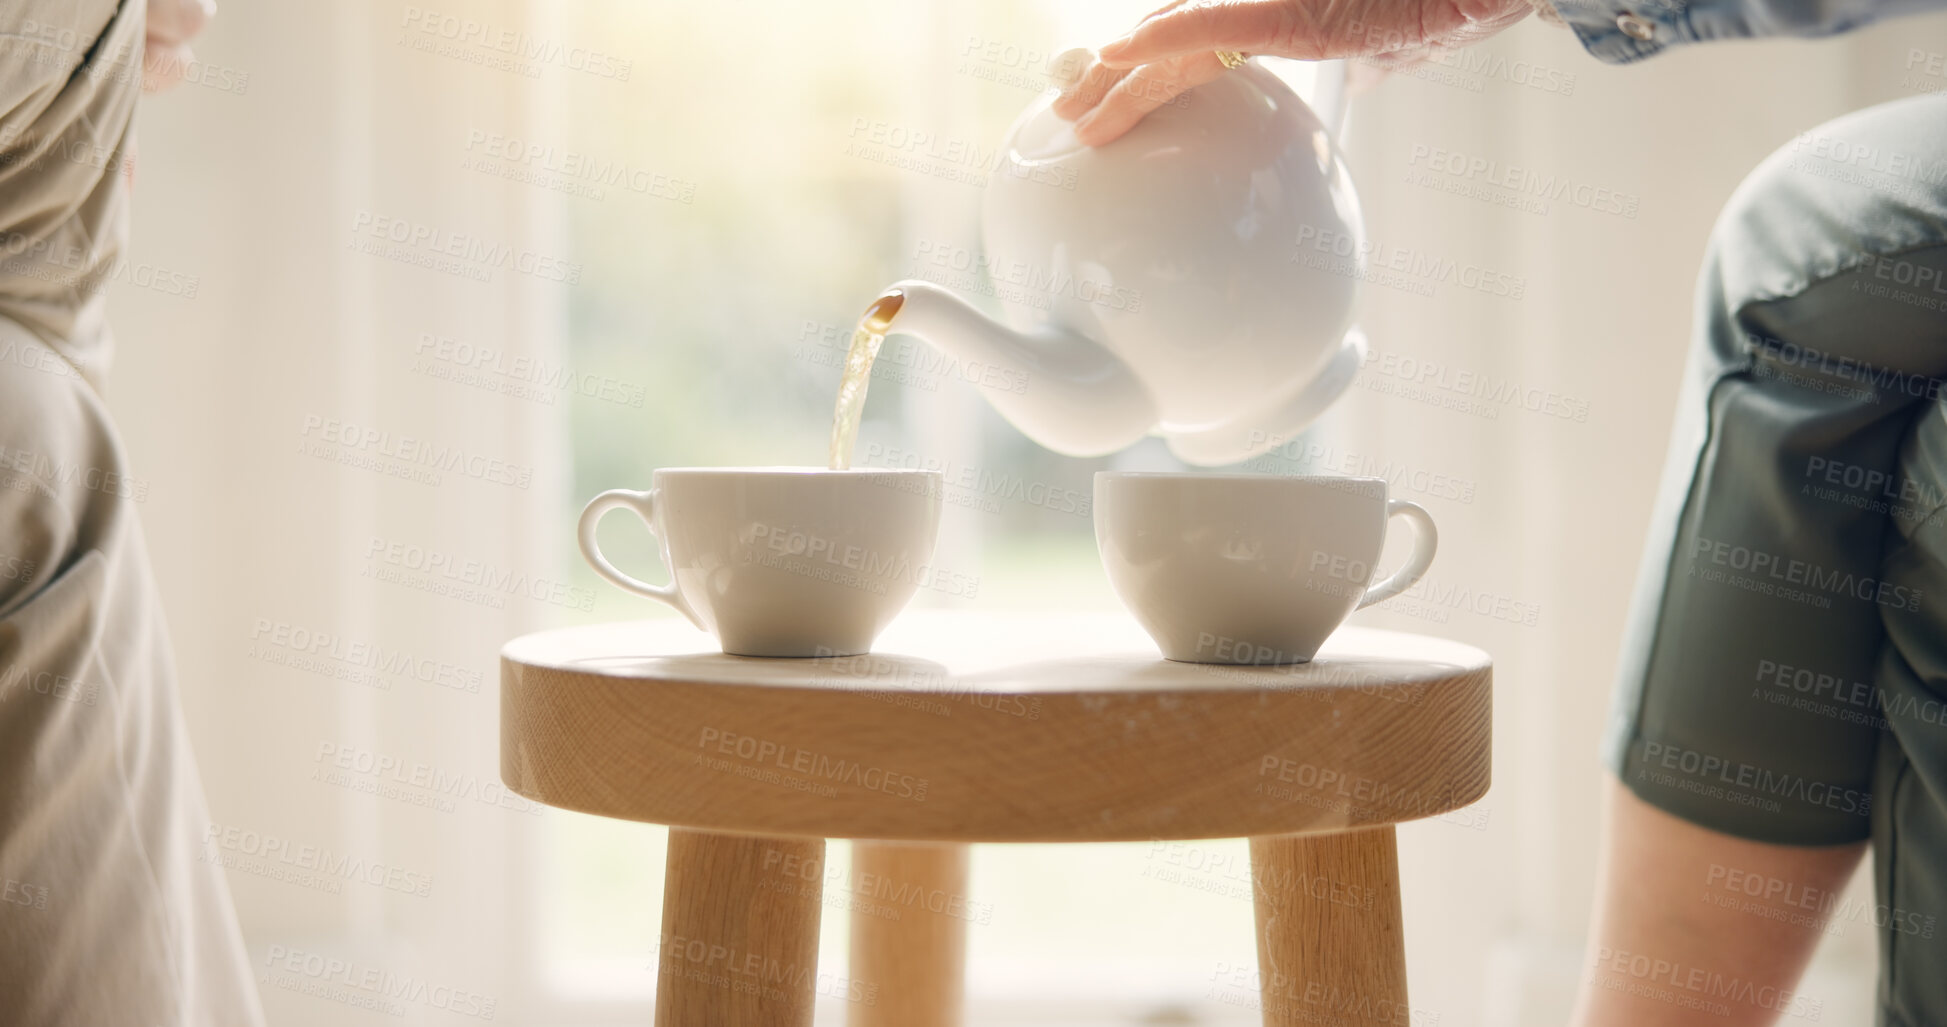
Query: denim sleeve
(1621,31)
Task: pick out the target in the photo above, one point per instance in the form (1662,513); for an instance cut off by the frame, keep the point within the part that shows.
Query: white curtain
(315,479)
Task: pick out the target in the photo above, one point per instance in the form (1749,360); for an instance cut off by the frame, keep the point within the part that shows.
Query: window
(785,165)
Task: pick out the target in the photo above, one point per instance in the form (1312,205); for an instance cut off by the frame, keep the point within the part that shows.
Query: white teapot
(1199,277)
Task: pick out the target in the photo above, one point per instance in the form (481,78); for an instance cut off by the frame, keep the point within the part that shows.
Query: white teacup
(782,561)
(1249,568)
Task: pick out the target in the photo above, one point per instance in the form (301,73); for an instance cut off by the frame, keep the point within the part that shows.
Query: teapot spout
(1060,389)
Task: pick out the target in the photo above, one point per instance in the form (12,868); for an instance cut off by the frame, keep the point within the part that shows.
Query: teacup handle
(644,506)
(1425,537)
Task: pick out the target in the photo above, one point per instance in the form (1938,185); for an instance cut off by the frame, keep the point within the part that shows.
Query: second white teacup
(782,561)
(1249,568)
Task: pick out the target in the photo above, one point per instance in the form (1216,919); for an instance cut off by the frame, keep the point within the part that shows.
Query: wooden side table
(986,728)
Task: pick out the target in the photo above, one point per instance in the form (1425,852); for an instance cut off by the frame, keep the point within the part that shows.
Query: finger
(178,21)
(1204,26)
(1069,67)
(164,64)
(1146,89)
(1165,9)
(1093,88)
(1364,73)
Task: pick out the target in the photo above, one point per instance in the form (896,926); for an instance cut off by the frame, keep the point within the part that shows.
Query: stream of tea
(866,339)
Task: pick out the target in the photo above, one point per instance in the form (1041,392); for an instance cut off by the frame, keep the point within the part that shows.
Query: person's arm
(1620,31)
(1686,918)
(166,56)
(1175,48)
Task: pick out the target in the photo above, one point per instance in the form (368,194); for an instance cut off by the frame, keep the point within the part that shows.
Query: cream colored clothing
(109,915)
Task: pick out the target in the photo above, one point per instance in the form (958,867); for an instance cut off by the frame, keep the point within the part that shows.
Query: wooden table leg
(1330,948)
(740,930)
(909,933)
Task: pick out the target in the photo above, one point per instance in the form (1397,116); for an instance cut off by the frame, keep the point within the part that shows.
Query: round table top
(993,727)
